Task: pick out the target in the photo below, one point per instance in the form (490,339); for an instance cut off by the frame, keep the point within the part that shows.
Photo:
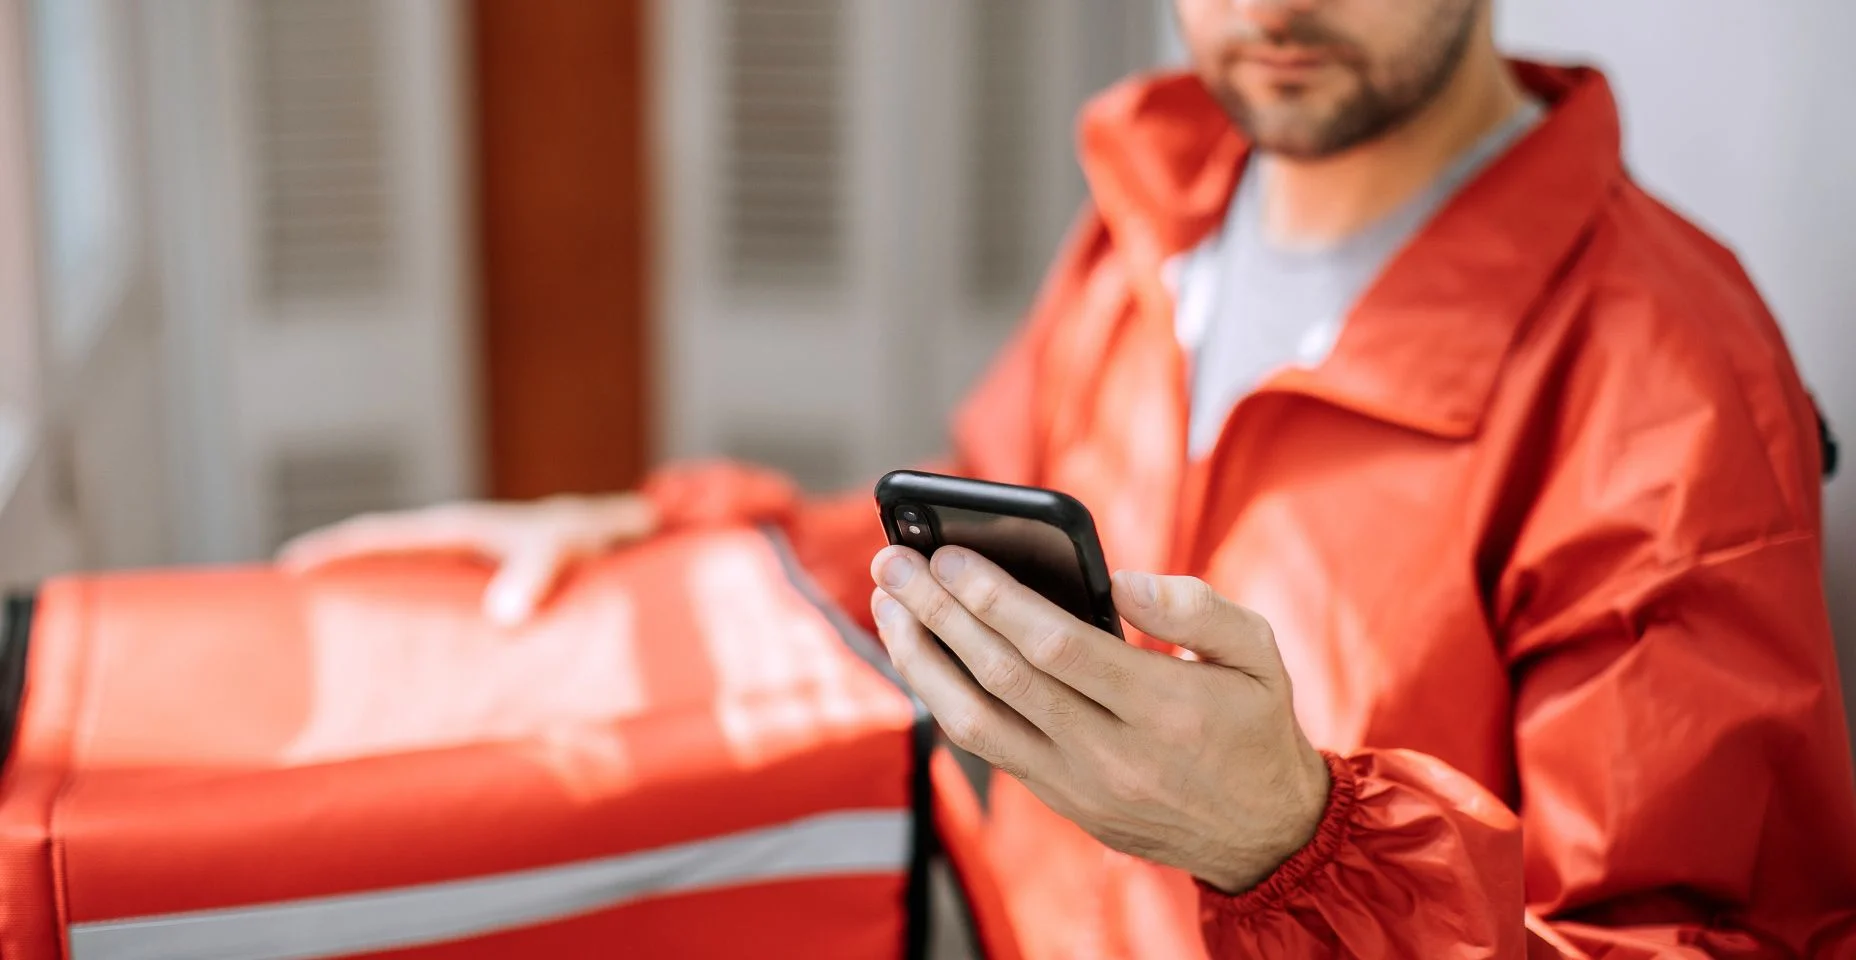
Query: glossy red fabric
(1540,542)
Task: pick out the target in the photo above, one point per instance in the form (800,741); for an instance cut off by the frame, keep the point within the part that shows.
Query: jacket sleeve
(996,435)
(1685,793)
(1683,779)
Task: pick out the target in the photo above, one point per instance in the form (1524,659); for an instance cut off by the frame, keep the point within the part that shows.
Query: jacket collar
(1424,345)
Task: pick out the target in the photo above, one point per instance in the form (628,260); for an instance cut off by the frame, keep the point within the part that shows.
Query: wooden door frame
(561,134)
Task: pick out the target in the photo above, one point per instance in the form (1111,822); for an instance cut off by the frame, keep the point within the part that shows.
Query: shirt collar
(1425,344)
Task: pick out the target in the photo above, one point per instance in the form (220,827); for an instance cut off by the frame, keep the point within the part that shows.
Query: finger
(381,534)
(521,584)
(994,663)
(975,722)
(592,524)
(1089,661)
(1187,612)
(634,517)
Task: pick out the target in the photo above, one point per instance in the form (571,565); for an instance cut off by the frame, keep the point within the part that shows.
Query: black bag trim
(1826,442)
(15,640)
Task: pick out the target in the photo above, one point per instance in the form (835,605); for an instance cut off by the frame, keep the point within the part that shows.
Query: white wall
(1739,114)
(35,535)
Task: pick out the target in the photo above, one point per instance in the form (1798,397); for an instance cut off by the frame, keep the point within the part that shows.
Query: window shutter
(323,206)
(1000,256)
(783,170)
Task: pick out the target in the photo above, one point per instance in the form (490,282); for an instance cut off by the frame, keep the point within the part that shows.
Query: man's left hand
(1196,764)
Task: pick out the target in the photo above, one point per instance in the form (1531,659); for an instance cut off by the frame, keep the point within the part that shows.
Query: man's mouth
(1288,58)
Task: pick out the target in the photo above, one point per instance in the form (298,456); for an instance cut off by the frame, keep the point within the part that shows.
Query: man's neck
(1316,202)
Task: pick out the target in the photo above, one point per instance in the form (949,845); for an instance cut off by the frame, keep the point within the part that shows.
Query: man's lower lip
(1280,67)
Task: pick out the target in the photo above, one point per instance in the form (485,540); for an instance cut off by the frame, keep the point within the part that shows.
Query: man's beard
(1411,80)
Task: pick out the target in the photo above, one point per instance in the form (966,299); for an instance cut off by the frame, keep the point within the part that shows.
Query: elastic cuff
(1297,872)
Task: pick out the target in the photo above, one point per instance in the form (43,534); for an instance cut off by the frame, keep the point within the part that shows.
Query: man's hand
(1198,765)
(532,544)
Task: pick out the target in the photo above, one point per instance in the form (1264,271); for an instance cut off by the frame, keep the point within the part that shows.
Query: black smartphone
(1044,539)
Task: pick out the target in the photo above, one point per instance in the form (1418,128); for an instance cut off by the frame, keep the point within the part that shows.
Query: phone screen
(1037,554)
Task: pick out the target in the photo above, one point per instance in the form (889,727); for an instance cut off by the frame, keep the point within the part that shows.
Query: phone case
(1033,503)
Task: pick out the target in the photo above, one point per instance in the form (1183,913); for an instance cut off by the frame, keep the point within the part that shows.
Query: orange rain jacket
(1540,542)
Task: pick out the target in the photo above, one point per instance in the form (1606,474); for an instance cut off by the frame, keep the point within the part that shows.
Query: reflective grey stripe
(862,841)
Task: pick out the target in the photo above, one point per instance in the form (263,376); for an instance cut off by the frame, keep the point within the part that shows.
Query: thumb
(1188,613)
(521,583)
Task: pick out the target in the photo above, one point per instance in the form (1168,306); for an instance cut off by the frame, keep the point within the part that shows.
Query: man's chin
(1303,122)
(1310,131)
(1295,141)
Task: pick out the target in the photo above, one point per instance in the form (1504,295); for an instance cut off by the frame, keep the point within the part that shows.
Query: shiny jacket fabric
(1540,542)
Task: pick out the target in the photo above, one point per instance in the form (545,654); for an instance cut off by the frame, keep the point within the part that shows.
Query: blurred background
(267,263)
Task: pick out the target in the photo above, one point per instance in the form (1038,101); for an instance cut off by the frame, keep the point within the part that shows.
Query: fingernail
(896,572)
(1142,587)
(888,610)
(504,608)
(948,564)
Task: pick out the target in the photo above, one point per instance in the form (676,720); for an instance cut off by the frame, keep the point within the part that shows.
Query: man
(1500,461)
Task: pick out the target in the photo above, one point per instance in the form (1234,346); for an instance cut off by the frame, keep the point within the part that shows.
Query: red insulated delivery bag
(684,755)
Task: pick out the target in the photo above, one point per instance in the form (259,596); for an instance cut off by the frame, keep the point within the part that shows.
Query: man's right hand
(531,543)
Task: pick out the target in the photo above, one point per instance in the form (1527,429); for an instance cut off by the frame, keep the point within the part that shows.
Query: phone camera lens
(909,515)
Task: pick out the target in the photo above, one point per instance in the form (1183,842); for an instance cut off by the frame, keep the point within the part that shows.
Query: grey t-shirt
(1248,306)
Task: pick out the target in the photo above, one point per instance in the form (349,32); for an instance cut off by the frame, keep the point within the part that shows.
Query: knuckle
(1205,601)
(1008,677)
(1258,626)
(1057,649)
(448,514)
(984,596)
(570,503)
(1124,783)
(938,609)
(1013,768)
(904,653)
(967,731)
(1199,605)
(363,525)
(1059,713)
